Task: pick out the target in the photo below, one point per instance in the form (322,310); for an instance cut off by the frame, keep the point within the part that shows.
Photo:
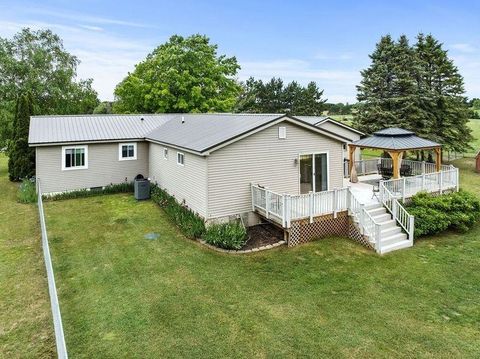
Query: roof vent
(141,118)
(183,119)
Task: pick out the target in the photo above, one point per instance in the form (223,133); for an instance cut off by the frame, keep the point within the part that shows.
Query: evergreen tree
(21,161)
(418,88)
(274,97)
(376,91)
(444,99)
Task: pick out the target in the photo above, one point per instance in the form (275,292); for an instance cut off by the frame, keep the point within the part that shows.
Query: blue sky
(326,42)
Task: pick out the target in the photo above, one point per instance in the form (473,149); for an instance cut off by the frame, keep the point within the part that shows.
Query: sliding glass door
(313,172)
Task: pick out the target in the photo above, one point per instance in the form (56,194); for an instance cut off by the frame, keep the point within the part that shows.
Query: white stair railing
(399,213)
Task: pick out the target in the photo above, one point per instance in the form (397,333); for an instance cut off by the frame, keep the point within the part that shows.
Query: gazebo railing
(370,166)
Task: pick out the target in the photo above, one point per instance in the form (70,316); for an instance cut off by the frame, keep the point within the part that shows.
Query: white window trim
(284,130)
(313,167)
(120,145)
(165,153)
(85,147)
(183,155)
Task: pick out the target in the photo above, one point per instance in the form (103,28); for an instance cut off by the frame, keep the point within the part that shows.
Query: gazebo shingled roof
(395,141)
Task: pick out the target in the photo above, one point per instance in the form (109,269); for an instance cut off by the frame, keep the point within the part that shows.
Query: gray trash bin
(142,188)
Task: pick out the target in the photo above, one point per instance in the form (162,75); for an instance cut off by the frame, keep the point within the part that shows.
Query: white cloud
(105,57)
(339,85)
(464,47)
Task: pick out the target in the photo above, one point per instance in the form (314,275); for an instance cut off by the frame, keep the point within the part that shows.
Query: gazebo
(395,141)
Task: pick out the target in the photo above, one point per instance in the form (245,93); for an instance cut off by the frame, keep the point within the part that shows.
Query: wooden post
(351,158)
(438,159)
(396,163)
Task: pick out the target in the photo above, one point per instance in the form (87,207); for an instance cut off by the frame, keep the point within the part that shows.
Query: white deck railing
(370,166)
(405,187)
(283,208)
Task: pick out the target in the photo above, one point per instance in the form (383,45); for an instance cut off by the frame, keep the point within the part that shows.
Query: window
(180,159)
(282,132)
(74,157)
(127,151)
(165,153)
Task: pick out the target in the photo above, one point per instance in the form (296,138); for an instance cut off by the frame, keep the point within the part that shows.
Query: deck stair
(391,235)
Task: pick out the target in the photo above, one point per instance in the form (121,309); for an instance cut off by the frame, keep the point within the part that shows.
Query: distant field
(342,118)
(474,124)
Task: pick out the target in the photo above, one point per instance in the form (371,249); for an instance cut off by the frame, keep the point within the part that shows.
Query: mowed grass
(126,296)
(26,329)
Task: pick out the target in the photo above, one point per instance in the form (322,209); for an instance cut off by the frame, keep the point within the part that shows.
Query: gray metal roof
(395,139)
(200,132)
(319,120)
(197,132)
(62,129)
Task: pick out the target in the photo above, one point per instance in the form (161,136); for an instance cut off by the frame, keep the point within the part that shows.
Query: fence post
(457,179)
(284,206)
(423,167)
(288,213)
(310,205)
(363,167)
(411,227)
(349,201)
(377,238)
(403,189)
(423,182)
(267,203)
(440,182)
(394,208)
(361,218)
(253,196)
(335,199)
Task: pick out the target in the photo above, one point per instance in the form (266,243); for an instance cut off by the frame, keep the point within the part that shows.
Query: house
(285,169)
(207,161)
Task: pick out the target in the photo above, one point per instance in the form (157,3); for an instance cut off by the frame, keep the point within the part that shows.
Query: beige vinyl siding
(264,159)
(344,132)
(103,167)
(187,183)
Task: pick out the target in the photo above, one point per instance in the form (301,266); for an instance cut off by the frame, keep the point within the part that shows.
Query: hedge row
(459,211)
(225,235)
(126,187)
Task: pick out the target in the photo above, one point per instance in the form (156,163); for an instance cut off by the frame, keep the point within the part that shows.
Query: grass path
(125,296)
(25,318)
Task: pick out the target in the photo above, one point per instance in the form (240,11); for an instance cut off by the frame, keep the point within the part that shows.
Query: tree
(182,75)
(415,87)
(104,107)
(35,62)
(21,160)
(274,97)
(476,103)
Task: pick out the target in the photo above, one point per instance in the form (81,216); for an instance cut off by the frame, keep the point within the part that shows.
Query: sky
(326,42)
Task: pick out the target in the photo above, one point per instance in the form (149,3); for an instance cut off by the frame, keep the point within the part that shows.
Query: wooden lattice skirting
(303,231)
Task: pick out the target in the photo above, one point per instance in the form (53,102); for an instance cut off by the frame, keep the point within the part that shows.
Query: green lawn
(126,296)
(26,329)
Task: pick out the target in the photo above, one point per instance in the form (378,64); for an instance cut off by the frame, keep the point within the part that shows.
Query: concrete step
(377,211)
(389,231)
(382,217)
(394,238)
(372,206)
(387,224)
(395,246)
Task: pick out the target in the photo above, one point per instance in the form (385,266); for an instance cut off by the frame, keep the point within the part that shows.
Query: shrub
(459,211)
(231,235)
(126,187)
(190,223)
(27,192)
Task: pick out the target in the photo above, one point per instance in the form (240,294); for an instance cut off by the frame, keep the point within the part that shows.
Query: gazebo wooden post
(396,158)
(351,157)
(438,159)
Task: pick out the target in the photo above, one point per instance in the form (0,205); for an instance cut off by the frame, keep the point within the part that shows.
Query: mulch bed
(262,235)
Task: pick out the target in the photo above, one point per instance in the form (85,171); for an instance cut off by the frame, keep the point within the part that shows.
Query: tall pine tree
(418,88)
(21,158)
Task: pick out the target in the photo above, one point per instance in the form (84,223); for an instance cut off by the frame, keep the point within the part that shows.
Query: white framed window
(282,132)
(127,151)
(180,159)
(165,153)
(74,157)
